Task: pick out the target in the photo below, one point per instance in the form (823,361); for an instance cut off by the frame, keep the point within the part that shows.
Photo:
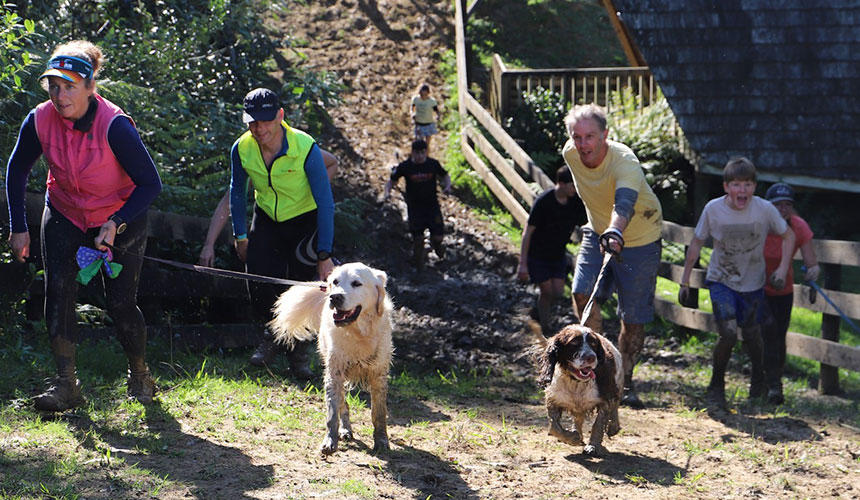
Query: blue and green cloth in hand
(91,260)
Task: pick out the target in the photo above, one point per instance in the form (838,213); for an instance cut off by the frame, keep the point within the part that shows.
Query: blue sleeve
(27,150)
(125,142)
(238,192)
(625,199)
(321,191)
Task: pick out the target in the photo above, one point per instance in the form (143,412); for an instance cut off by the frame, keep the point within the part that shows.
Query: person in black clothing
(422,174)
(553,218)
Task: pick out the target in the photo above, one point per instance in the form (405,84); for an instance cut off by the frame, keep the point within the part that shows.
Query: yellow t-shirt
(596,187)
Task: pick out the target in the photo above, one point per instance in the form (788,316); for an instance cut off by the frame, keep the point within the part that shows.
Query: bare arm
(810,260)
(523,269)
(216,225)
(446,184)
(693,252)
(781,272)
(331,163)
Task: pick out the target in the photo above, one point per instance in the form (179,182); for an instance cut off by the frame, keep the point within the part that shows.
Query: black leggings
(280,250)
(60,242)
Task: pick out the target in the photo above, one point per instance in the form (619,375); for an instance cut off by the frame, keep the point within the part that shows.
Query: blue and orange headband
(73,69)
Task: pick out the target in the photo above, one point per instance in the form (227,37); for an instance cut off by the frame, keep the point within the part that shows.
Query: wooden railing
(514,179)
(575,85)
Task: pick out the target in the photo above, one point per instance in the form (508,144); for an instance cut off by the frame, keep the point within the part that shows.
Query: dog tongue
(339,314)
(587,373)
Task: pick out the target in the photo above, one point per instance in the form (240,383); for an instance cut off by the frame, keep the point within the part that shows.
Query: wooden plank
(501,164)
(797,344)
(824,351)
(685,316)
(472,7)
(521,158)
(849,303)
(674,272)
(630,49)
(842,252)
(462,70)
(677,233)
(198,337)
(507,199)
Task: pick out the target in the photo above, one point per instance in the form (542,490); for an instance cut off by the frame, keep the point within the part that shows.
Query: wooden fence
(160,286)
(514,179)
(575,85)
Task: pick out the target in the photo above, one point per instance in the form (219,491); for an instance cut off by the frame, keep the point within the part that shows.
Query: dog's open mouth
(584,373)
(342,317)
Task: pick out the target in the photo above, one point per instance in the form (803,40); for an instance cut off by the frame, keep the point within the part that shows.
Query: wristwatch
(120,224)
(323,255)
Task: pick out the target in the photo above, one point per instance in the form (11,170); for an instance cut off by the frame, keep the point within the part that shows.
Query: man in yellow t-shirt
(624,218)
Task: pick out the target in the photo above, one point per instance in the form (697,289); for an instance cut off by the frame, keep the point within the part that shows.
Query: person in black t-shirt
(553,218)
(422,175)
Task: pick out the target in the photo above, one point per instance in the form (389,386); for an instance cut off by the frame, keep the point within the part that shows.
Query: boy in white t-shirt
(739,223)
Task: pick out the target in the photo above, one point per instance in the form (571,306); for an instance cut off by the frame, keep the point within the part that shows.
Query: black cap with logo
(260,105)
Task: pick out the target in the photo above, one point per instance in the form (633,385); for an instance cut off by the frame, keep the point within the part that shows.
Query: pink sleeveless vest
(85,181)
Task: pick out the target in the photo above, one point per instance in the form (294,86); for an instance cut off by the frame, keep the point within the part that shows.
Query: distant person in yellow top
(625,219)
(425,113)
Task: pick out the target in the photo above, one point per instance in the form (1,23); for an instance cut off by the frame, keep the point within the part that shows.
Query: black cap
(260,105)
(780,192)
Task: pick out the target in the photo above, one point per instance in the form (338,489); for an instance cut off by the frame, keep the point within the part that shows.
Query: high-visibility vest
(282,191)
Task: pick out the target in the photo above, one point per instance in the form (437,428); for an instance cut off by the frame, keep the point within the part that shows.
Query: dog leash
(845,318)
(600,277)
(224,273)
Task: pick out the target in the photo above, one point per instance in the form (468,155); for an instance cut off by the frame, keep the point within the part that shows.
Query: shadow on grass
(427,475)
(206,469)
(630,467)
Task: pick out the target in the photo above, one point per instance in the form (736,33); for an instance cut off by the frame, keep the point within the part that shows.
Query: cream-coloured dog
(353,318)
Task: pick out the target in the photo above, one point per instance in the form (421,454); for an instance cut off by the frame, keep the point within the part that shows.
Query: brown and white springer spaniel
(581,372)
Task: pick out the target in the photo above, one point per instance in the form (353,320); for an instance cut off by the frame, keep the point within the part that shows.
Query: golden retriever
(353,318)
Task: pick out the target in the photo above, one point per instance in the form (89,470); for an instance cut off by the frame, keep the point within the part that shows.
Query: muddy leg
(334,400)
(557,430)
(379,412)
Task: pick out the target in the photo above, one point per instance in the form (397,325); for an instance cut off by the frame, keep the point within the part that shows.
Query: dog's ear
(548,359)
(381,279)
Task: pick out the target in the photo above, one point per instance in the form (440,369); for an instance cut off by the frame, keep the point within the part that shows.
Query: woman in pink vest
(101,181)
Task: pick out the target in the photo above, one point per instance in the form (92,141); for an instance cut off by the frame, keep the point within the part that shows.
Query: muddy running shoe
(631,399)
(265,353)
(774,396)
(715,397)
(141,387)
(757,390)
(300,362)
(61,395)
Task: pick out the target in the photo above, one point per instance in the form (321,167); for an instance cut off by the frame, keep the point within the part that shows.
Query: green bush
(180,69)
(650,131)
(538,124)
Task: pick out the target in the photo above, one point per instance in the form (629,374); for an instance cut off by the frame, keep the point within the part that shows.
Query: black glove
(684,296)
(608,236)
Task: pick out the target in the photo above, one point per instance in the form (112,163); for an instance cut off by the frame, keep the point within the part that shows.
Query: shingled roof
(776,81)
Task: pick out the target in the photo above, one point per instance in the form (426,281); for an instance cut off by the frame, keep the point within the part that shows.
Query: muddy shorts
(634,278)
(543,270)
(747,308)
(425,129)
(426,218)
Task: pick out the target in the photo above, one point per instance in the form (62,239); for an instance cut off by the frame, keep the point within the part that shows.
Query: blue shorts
(634,278)
(425,129)
(543,270)
(747,308)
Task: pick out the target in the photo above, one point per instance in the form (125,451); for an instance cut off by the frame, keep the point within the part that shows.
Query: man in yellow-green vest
(292,229)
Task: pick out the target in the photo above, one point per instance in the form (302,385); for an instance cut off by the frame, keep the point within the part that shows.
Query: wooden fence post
(828,380)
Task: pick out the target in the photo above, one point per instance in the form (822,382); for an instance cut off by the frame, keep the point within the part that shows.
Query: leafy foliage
(180,69)
(650,131)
